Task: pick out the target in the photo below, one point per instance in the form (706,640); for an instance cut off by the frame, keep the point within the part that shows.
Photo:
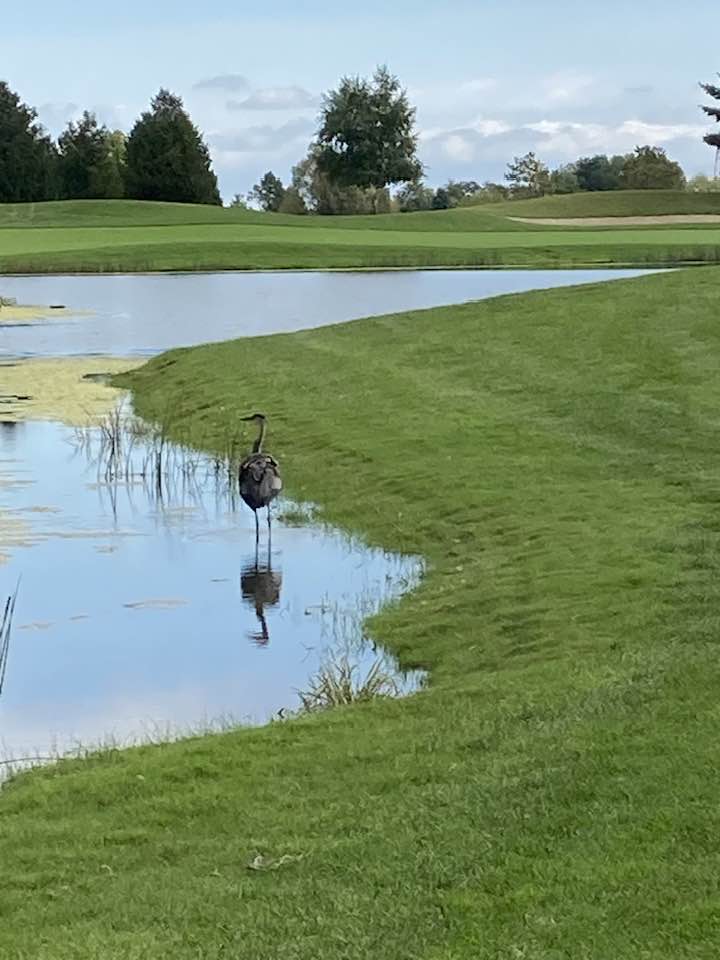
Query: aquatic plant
(5,629)
(336,684)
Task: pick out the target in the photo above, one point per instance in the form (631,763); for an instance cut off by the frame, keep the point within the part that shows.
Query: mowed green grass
(554,456)
(96,236)
(615,203)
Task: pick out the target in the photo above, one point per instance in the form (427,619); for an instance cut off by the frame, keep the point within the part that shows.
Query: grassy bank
(554,457)
(103,236)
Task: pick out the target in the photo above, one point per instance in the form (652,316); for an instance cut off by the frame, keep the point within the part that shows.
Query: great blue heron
(259,475)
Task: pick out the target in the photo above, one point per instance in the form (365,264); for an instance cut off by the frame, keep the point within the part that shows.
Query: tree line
(163,158)
(365,145)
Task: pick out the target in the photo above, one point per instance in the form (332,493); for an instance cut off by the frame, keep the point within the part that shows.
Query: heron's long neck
(257,446)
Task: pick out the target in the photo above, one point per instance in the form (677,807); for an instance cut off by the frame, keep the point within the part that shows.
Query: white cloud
(229,82)
(480,85)
(458,147)
(464,143)
(660,132)
(276,98)
(554,139)
(55,116)
(262,137)
(570,87)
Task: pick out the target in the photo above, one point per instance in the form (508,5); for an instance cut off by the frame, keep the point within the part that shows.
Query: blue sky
(489,80)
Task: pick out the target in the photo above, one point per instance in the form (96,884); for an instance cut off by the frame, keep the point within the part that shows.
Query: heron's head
(256,417)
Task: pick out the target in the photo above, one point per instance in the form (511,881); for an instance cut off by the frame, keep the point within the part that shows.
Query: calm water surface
(140,615)
(141,314)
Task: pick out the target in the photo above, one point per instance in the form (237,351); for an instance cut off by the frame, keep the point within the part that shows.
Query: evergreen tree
(367,136)
(167,158)
(712,139)
(27,155)
(89,164)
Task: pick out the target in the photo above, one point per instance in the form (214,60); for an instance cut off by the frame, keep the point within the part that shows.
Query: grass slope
(97,236)
(554,456)
(614,203)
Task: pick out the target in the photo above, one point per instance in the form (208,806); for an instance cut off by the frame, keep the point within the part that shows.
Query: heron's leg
(257,529)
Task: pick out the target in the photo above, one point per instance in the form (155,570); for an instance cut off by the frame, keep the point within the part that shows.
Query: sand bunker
(55,389)
(620,221)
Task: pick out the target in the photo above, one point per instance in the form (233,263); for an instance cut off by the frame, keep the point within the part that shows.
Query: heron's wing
(261,467)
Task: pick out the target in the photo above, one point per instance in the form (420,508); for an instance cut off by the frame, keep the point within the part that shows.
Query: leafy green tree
(461,190)
(490,193)
(441,199)
(367,133)
(414,196)
(650,168)
(528,176)
(712,139)
(268,193)
(599,172)
(89,164)
(292,202)
(564,179)
(238,202)
(167,158)
(323,196)
(117,146)
(701,183)
(27,155)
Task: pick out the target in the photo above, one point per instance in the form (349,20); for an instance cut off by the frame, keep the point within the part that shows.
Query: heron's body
(259,474)
(260,481)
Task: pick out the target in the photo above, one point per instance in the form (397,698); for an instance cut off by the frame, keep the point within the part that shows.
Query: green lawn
(555,457)
(96,236)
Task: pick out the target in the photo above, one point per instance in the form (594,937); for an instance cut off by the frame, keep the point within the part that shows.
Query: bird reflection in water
(260,587)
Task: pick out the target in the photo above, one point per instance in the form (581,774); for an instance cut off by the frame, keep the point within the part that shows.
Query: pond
(146,613)
(141,314)
(142,615)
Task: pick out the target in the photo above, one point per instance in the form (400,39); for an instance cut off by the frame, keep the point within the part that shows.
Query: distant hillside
(142,213)
(612,203)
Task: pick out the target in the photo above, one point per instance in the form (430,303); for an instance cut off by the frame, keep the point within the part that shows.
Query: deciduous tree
(367,133)
(599,172)
(650,168)
(414,196)
(564,179)
(268,193)
(528,176)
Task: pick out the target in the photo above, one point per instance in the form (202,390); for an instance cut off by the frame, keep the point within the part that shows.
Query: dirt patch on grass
(62,389)
(669,218)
